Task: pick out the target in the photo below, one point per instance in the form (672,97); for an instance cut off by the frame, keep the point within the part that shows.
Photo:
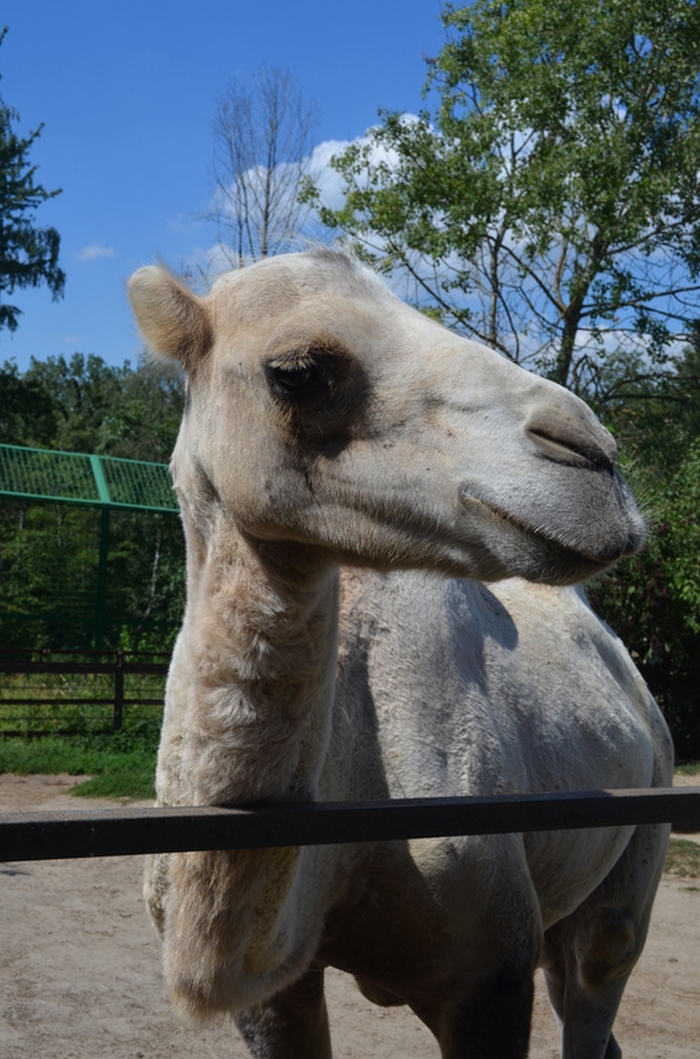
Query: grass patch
(120,764)
(683,860)
(690,768)
(73,703)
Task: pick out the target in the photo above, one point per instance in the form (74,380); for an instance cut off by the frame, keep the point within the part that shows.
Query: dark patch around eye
(321,390)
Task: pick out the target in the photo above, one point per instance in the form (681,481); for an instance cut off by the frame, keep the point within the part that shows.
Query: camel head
(323,410)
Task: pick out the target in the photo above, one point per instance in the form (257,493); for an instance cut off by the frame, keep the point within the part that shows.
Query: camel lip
(597,562)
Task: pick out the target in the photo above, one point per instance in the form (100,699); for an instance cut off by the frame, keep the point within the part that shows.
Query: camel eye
(293,379)
(297,381)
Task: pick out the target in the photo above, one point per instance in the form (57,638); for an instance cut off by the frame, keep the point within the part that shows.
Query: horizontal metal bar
(117,832)
(45,653)
(67,700)
(72,700)
(86,668)
(119,505)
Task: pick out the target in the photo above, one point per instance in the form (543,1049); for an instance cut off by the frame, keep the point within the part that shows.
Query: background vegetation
(48,567)
(653,600)
(548,205)
(49,552)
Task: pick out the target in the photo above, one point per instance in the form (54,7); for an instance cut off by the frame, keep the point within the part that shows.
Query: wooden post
(118,692)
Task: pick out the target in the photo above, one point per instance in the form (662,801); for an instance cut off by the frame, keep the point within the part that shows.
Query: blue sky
(126,90)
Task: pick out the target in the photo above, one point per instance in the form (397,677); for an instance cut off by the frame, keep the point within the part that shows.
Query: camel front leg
(584,1017)
(493,1023)
(292,1025)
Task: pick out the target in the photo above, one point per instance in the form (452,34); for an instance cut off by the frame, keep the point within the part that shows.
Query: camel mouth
(563,556)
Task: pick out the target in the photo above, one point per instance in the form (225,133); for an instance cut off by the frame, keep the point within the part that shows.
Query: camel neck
(257,665)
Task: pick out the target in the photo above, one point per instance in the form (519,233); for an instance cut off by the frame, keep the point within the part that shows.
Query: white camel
(342,463)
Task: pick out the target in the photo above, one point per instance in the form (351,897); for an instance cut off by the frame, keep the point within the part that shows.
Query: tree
(262,146)
(653,600)
(122,411)
(28,255)
(27,413)
(655,415)
(551,207)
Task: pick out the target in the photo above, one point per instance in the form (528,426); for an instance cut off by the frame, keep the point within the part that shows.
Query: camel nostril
(578,451)
(570,433)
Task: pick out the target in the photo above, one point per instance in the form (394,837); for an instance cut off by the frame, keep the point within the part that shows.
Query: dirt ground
(80,971)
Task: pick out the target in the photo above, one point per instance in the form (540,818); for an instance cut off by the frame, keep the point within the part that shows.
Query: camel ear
(173,321)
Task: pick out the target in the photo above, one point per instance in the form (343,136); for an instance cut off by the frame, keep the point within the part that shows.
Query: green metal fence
(103,483)
(85,478)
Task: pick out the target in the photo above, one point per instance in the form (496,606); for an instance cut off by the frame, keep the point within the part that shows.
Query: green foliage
(49,552)
(552,200)
(653,599)
(27,409)
(28,255)
(85,405)
(655,414)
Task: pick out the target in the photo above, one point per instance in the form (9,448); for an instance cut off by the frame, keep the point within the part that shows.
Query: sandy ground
(80,971)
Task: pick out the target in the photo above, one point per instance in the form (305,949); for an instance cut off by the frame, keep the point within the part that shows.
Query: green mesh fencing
(63,577)
(79,478)
(135,483)
(47,475)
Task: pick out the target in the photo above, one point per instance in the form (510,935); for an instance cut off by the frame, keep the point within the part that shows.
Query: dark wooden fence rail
(84,833)
(116,664)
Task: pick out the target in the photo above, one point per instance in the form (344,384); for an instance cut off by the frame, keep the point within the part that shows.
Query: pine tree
(28,255)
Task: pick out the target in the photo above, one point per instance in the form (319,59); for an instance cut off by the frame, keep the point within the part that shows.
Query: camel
(387,526)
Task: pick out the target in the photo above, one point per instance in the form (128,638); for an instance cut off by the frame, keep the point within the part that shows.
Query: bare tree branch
(262,153)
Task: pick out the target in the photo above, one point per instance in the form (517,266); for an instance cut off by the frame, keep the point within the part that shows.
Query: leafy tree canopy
(82,404)
(653,600)
(655,415)
(28,255)
(551,204)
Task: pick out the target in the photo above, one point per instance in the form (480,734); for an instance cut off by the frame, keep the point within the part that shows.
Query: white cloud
(95,250)
(184,222)
(329,182)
